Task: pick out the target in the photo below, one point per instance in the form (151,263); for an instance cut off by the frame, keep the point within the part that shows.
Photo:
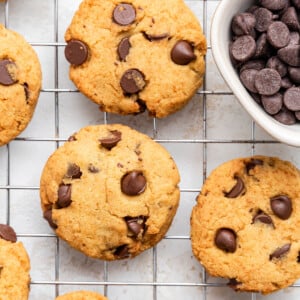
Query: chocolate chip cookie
(136,55)
(20,83)
(110,191)
(245,224)
(14,266)
(81,295)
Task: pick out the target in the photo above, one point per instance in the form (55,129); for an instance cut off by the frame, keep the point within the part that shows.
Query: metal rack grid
(202,284)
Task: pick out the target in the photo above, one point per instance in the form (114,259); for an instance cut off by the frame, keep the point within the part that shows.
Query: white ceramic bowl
(220,38)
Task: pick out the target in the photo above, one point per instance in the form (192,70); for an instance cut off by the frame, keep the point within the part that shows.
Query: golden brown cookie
(20,83)
(81,295)
(245,226)
(14,266)
(141,54)
(110,191)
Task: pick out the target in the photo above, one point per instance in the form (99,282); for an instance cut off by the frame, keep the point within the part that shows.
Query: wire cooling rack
(211,129)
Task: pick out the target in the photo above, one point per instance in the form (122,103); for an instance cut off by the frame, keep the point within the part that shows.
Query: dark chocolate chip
(286,83)
(248,78)
(290,55)
(280,252)
(64,196)
(233,283)
(273,4)
(294,74)
(256,64)
(294,38)
(237,189)
(285,117)
(225,240)
(243,48)
(122,251)
(297,115)
(281,206)
(264,18)
(112,140)
(296,3)
(133,183)
(93,169)
(142,105)
(253,163)
(72,138)
(76,52)
(291,98)
(267,81)
(123,48)
(182,53)
(155,37)
(124,14)
(132,81)
(272,104)
(278,35)
(7,233)
(275,63)
(26,91)
(298,257)
(290,18)
(262,218)
(48,216)
(136,225)
(263,48)
(243,23)
(73,171)
(8,72)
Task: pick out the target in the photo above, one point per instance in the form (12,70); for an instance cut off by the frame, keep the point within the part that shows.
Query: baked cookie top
(81,295)
(135,55)
(20,83)
(110,191)
(14,266)
(245,224)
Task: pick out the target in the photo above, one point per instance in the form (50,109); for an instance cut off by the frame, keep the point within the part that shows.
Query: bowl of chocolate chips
(256,46)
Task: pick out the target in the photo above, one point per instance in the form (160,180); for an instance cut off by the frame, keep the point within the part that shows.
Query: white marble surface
(171,265)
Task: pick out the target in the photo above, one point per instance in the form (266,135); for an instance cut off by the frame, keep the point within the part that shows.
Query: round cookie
(20,83)
(128,57)
(245,224)
(14,266)
(110,191)
(81,295)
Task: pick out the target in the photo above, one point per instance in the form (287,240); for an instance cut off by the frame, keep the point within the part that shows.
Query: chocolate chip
(296,3)
(291,98)
(26,91)
(73,171)
(123,48)
(182,53)
(132,81)
(281,206)
(256,64)
(280,252)
(264,18)
(243,48)
(267,81)
(64,196)
(72,138)
(262,47)
(76,52)
(278,34)
(93,169)
(275,63)
(248,78)
(133,183)
(262,218)
(243,23)
(237,189)
(253,163)
(272,104)
(298,257)
(112,140)
(233,283)
(122,251)
(285,117)
(8,72)
(48,216)
(225,240)
(294,38)
(136,225)
(294,74)
(7,233)
(155,37)
(290,55)
(286,83)
(290,19)
(124,14)
(273,4)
